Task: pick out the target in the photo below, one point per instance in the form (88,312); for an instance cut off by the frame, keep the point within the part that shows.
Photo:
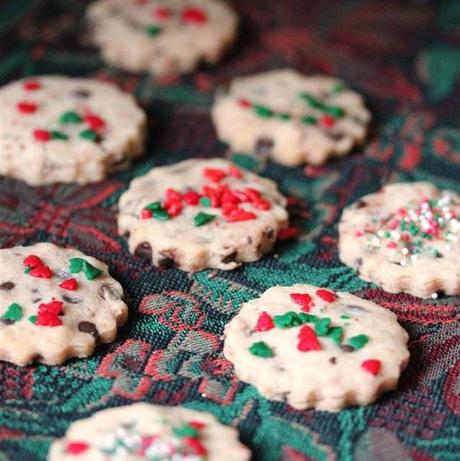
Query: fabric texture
(405,58)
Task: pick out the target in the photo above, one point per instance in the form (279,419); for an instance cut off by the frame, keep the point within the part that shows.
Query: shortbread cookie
(149,432)
(314,348)
(162,37)
(59,129)
(405,238)
(292,118)
(200,214)
(55,304)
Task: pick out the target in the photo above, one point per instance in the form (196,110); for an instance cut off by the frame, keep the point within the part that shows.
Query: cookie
(200,214)
(313,348)
(55,304)
(405,238)
(164,38)
(148,432)
(56,129)
(291,118)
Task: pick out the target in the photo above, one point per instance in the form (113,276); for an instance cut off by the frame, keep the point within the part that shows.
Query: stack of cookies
(311,347)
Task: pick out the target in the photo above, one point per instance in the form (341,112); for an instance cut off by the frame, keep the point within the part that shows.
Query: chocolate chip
(360,204)
(81,93)
(90,328)
(166,262)
(335,135)
(264,147)
(346,348)
(109,292)
(7,322)
(269,233)
(358,120)
(354,308)
(7,286)
(230,258)
(70,300)
(333,360)
(144,251)
(36,300)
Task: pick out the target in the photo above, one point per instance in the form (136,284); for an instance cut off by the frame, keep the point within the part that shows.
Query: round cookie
(405,238)
(314,348)
(291,118)
(164,38)
(148,432)
(200,214)
(56,129)
(55,304)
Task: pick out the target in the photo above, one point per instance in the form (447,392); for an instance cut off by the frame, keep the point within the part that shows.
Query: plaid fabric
(405,58)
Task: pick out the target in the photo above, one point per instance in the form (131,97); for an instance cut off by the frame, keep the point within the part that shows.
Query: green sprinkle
(263,111)
(336,334)
(70,117)
(322,326)
(186,431)
(77,265)
(27,270)
(89,135)
(284,116)
(153,30)
(309,120)
(13,313)
(288,320)
(338,88)
(33,319)
(260,349)
(345,317)
(335,111)
(59,135)
(357,342)
(153,206)
(312,100)
(161,214)
(205,201)
(203,218)
(307,318)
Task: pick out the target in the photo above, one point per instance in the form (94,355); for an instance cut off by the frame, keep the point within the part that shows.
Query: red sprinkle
(235,172)
(48,320)
(197,424)
(94,122)
(244,103)
(372,366)
(302,299)
(262,204)
(392,245)
(287,233)
(76,448)
(264,322)
(146,213)
(162,12)
(42,272)
(196,446)
(26,107)
(214,174)
(194,15)
(31,85)
(326,295)
(32,261)
(54,307)
(42,135)
(327,121)
(359,233)
(173,194)
(308,340)
(69,284)
(173,207)
(191,198)
(240,215)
